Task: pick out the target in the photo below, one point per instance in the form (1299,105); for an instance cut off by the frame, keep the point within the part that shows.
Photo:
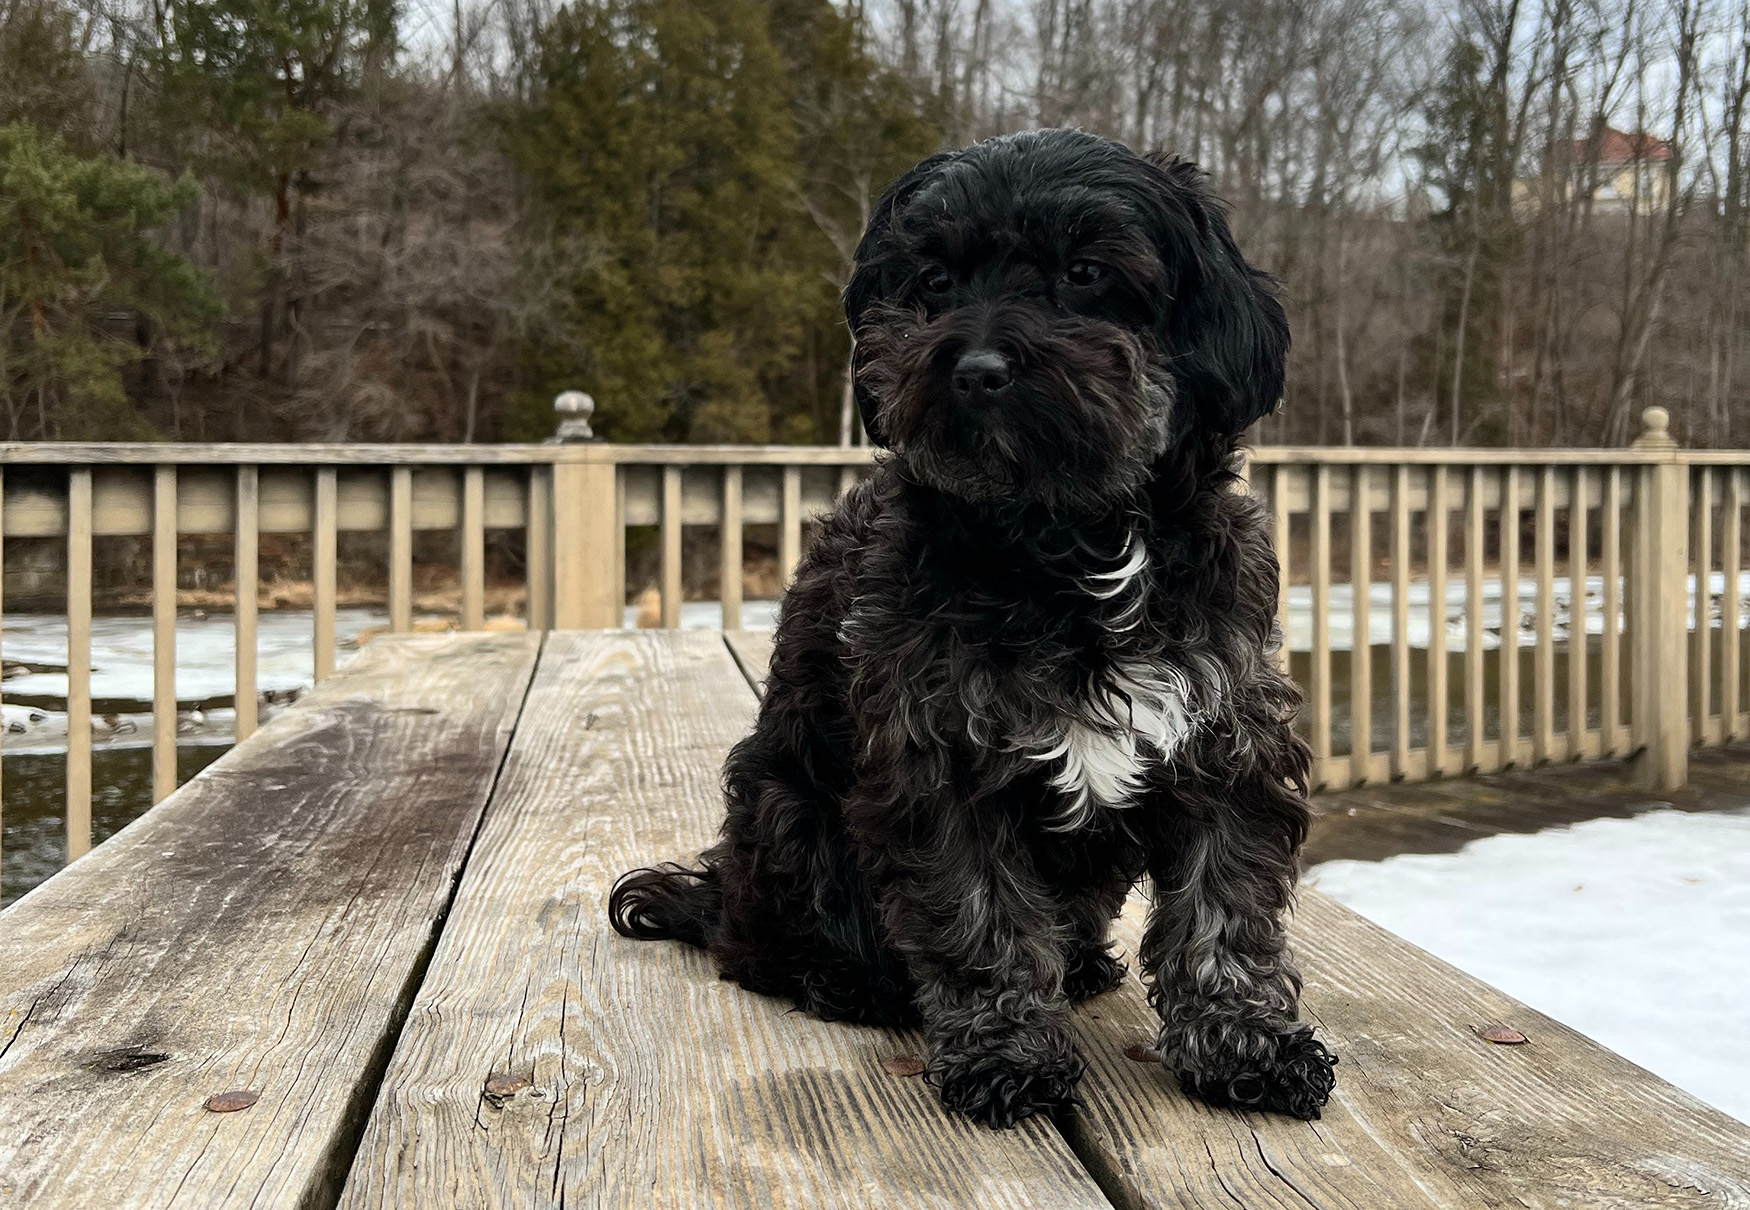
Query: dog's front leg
(1215,952)
(964,906)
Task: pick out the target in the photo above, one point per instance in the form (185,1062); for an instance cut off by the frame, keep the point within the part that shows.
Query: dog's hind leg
(1090,969)
(1215,951)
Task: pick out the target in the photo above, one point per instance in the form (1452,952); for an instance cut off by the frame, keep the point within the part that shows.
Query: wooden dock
(382,917)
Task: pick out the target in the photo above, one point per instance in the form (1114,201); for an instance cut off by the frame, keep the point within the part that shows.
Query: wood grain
(649,1080)
(263,930)
(1426,1114)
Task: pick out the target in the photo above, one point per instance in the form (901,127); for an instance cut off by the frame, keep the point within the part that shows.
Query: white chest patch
(1134,720)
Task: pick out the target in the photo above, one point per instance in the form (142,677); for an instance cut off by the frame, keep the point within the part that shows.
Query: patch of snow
(1635,932)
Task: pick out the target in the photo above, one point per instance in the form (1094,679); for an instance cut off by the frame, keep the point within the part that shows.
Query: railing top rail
(1389,456)
(79,453)
(73,453)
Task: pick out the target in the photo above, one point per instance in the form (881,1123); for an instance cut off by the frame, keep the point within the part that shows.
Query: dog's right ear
(873,278)
(1229,332)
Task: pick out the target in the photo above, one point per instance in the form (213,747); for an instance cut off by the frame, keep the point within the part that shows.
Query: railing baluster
(671,547)
(1279,506)
(1438,516)
(78,663)
(617,559)
(1731,613)
(1320,567)
(1700,646)
(790,524)
(247,577)
(1400,620)
(1473,610)
(325,569)
(401,548)
(1361,638)
(847,479)
(1544,658)
(2,644)
(1508,751)
(538,548)
(729,541)
(473,548)
(1579,644)
(1610,657)
(163,633)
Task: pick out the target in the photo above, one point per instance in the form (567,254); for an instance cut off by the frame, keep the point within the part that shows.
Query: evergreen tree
(720,157)
(85,287)
(663,136)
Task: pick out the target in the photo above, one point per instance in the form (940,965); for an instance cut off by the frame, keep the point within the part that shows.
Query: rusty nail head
(903,1065)
(231,1102)
(502,1086)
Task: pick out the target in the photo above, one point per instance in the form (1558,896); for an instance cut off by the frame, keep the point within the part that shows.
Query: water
(33,830)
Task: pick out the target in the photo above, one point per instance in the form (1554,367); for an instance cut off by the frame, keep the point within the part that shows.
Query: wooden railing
(1628,548)
(1438,687)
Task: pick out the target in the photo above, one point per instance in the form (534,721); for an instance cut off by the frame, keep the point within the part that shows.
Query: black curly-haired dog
(1031,659)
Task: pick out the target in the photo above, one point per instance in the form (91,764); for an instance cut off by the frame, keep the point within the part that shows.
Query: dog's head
(1043,315)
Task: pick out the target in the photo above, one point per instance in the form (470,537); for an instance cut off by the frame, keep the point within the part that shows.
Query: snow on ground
(1635,932)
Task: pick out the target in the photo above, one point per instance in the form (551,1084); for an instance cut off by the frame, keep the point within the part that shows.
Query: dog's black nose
(981,374)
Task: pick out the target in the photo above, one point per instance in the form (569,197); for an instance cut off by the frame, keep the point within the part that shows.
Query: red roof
(1619,148)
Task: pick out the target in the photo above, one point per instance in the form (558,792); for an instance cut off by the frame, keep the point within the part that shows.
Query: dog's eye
(1084,272)
(935,281)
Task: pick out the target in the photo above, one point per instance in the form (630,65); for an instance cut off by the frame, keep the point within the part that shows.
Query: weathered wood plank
(650,1081)
(262,929)
(1426,1114)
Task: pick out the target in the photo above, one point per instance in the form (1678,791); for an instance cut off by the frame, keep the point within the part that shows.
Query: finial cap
(1655,430)
(574,409)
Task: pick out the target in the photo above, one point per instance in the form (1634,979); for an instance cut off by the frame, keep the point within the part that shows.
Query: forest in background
(1495,221)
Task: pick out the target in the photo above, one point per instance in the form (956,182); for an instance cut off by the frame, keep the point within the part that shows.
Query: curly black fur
(1031,660)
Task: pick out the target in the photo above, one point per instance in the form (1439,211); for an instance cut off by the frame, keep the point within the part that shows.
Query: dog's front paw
(999,1091)
(1293,1076)
(1092,972)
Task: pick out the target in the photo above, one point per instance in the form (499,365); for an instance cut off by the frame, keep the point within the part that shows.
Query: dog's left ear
(1226,328)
